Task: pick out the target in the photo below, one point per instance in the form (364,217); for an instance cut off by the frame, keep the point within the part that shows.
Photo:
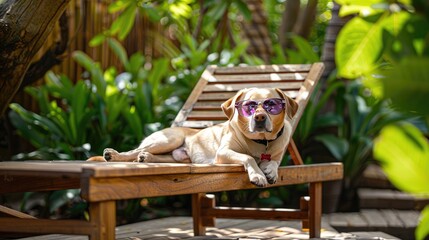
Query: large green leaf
(366,3)
(118,5)
(127,19)
(119,50)
(407,84)
(358,47)
(35,119)
(362,7)
(405,36)
(404,154)
(422,229)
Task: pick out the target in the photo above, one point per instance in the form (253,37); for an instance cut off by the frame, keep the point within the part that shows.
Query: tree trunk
(24,27)
(289,18)
(256,31)
(328,54)
(306,19)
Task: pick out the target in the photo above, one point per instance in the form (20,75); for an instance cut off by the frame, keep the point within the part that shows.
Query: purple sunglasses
(273,106)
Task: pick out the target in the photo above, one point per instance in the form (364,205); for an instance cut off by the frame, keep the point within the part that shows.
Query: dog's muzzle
(260,122)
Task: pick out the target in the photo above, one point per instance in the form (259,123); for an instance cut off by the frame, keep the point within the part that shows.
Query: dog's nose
(260,117)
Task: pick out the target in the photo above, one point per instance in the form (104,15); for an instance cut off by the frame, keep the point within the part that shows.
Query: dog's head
(260,112)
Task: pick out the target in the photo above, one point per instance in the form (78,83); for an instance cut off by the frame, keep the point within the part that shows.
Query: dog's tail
(96,159)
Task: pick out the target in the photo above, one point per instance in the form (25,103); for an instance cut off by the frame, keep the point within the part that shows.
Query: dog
(255,135)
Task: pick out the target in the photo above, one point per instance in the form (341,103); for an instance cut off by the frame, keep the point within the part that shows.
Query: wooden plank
(116,188)
(44,226)
(286,86)
(171,228)
(261,229)
(16,181)
(338,220)
(44,168)
(127,169)
(392,218)
(409,218)
(123,169)
(356,221)
(207,115)
(223,96)
(216,168)
(256,213)
(264,69)
(259,77)
(199,124)
(374,218)
(14,213)
(212,105)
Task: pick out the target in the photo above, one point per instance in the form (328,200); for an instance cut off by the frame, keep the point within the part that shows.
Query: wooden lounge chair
(102,184)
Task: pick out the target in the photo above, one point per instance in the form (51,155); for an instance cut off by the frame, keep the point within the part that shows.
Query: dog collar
(265,141)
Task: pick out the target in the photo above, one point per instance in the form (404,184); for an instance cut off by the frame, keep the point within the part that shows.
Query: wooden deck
(399,223)
(181,228)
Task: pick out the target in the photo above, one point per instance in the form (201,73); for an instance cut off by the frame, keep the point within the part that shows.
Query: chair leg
(199,228)
(200,203)
(303,205)
(103,216)
(315,209)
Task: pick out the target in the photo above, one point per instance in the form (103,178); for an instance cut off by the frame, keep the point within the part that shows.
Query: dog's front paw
(110,154)
(258,179)
(270,170)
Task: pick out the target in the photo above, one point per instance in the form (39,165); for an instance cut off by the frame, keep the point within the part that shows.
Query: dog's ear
(228,107)
(291,105)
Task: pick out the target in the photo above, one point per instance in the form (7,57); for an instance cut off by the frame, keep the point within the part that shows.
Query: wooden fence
(86,19)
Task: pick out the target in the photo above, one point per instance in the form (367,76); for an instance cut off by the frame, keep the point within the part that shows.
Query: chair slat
(260,77)
(238,86)
(207,115)
(218,84)
(286,68)
(223,96)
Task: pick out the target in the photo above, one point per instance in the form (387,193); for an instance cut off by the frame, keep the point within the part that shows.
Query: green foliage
(411,153)
(383,31)
(390,51)
(353,142)
(407,85)
(108,108)
(304,52)
(404,152)
(312,119)
(79,120)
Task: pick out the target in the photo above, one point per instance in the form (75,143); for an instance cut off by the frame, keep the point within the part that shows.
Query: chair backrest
(217,84)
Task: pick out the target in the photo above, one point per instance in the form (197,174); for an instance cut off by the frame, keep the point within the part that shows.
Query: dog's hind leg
(111,155)
(164,141)
(158,143)
(152,158)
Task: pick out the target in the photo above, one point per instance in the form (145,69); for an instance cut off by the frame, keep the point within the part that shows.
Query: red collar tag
(265,157)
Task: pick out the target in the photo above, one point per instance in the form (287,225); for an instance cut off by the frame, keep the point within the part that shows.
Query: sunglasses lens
(273,106)
(248,108)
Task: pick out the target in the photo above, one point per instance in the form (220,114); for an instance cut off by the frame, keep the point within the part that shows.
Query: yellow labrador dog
(255,135)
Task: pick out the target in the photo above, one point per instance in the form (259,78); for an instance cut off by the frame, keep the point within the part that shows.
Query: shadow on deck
(181,228)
